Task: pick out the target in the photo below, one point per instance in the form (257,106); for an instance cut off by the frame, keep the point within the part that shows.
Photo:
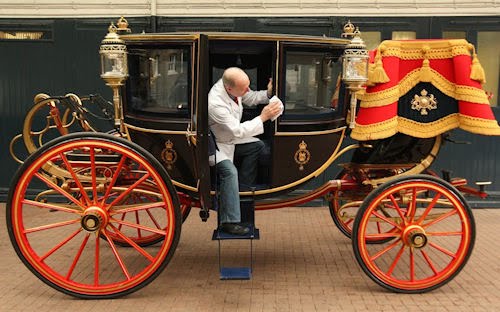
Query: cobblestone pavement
(302,263)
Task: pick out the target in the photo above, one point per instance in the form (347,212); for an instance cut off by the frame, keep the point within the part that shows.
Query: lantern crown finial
(349,30)
(122,25)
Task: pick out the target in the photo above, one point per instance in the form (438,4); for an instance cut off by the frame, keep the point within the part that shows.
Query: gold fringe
(391,95)
(397,124)
(413,50)
(479,125)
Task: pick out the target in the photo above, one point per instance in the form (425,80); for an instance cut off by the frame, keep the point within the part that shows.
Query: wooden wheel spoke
(59,245)
(75,178)
(59,190)
(383,251)
(383,235)
(386,219)
(138,226)
(77,256)
(128,190)
(453,233)
(443,250)
(152,218)
(137,221)
(441,218)
(429,208)
(429,262)
(412,265)
(116,175)
(131,208)
(96,259)
(397,208)
(51,206)
(51,226)
(117,256)
(132,243)
(93,173)
(396,260)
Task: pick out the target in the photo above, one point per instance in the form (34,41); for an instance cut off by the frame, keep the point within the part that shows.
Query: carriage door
(200,123)
(312,125)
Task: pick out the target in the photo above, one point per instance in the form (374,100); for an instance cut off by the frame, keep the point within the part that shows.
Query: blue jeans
(248,156)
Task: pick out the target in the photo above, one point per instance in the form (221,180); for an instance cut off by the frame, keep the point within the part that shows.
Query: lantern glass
(113,63)
(355,68)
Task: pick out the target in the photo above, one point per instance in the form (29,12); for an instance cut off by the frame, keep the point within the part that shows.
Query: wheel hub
(414,236)
(94,219)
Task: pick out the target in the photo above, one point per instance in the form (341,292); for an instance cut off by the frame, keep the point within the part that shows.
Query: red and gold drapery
(399,76)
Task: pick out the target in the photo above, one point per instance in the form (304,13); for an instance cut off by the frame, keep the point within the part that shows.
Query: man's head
(236,81)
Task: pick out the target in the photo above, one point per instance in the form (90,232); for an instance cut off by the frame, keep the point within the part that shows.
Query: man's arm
(258,97)
(228,128)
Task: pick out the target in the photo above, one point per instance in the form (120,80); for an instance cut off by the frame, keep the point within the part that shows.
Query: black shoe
(234,228)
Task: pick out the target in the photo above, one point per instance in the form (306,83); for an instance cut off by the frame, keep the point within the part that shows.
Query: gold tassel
(371,68)
(477,71)
(425,72)
(376,72)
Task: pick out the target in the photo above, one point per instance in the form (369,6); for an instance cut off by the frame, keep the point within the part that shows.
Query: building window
(372,39)
(21,35)
(454,35)
(404,35)
(488,51)
(32,30)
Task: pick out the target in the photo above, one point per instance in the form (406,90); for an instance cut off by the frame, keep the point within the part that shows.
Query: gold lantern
(114,69)
(354,66)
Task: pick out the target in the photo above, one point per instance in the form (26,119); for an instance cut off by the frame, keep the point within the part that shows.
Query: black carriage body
(165,101)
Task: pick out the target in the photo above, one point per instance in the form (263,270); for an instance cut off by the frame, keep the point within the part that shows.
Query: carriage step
(254,233)
(247,208)
(236,273)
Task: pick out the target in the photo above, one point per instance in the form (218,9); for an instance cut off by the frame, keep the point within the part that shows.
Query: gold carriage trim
(423,50)
(391,95)
(417,50)
(424,130)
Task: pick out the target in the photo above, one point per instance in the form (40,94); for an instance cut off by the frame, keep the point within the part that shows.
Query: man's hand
(270,110)
(270,88)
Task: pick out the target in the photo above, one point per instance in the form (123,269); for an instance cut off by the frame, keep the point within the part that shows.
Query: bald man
(236,138)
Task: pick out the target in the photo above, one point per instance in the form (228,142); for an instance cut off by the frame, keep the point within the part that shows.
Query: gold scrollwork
(422,102)
(168,154)
(302,155)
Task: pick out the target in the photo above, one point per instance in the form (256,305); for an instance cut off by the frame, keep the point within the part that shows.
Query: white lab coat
(224,117)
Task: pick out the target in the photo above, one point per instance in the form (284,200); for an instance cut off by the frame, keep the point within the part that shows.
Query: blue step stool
(248,218)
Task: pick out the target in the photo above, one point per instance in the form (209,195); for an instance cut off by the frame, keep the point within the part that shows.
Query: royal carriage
(98,214)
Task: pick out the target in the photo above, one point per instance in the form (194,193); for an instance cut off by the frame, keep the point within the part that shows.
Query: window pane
(488,51)
(404,35)
(311,80)
(454,35)
(158,81)
(372,39)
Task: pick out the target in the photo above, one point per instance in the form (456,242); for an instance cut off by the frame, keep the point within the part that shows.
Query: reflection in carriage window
(158,81)
(311,82)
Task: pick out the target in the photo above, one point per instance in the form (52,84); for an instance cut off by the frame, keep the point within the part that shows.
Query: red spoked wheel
(58,232)
(344,206)
(431,234)
(145,217)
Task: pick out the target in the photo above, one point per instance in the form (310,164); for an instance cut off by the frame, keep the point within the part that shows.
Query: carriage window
(158,81)
(311,80)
